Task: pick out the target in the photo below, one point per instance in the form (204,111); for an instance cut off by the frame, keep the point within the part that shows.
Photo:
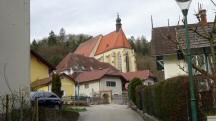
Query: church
(113,48)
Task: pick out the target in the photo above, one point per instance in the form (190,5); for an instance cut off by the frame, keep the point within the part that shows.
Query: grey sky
(95,17)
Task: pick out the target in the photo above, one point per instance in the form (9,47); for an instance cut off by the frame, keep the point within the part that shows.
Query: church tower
(118,23)
(113,48)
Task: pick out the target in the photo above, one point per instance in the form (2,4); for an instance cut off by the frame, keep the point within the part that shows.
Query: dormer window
(160,63)
(180,55)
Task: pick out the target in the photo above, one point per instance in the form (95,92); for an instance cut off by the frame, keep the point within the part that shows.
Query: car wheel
(57,107)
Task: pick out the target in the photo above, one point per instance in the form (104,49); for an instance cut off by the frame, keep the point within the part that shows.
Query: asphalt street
(109,113)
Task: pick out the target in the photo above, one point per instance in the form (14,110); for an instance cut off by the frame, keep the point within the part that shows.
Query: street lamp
(184,6)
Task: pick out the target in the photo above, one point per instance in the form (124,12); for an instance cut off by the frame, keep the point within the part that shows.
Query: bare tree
(207,33)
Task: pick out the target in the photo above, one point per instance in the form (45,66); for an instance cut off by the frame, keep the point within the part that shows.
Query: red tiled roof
(96,75)
(76,62)
(41,82)
(143,75)
(112,41)
(87,47)
(47,81)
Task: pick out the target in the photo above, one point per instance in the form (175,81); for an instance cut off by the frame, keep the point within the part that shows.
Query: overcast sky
(95,17)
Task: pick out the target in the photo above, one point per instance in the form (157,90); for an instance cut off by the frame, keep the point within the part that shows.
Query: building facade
(40,68)
(113,48)
(168,46)
(68,85)
(98,82)
(14,47)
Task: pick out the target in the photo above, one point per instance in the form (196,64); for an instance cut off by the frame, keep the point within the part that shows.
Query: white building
(14,46)
(168,42)
(99,82)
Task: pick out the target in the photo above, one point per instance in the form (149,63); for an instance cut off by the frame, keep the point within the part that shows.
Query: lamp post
(184,6)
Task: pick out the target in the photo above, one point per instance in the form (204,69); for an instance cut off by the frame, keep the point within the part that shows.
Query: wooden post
(7,108)
(37,113)
(21,108)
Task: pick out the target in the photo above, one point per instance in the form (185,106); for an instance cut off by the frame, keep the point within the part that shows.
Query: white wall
(211,118)
(111,57)
(97,86)
(171,66)
(14,45)
(93,88)
(148,82)
(115,90)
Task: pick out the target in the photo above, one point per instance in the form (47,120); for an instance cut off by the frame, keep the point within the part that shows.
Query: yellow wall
(45,88)
(38,69)
(68,87)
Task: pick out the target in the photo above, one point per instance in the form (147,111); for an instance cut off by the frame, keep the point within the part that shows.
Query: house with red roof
(75,63)
(100,82)
(145,75)
(113,48)
(168,45)
(97,81)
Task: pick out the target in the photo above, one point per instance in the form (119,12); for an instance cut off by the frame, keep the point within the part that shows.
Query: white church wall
(111,57)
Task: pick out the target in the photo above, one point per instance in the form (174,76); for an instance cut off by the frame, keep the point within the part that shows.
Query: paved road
(109,113)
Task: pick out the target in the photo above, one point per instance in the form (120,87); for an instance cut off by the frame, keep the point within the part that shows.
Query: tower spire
(118,23)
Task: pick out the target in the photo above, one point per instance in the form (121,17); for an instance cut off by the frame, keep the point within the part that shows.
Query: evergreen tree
(138,45)
(145,46)
(52,39)
(34,45)
(56,85)
(132,42)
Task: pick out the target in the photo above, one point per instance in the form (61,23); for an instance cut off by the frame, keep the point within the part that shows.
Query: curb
(145,116)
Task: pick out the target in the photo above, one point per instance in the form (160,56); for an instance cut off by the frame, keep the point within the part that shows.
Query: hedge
(132,89)
(168,100)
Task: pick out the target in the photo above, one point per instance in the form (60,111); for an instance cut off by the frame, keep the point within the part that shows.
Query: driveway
(109,113)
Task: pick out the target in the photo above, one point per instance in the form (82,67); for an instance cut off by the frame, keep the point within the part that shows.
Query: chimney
(118,23)
(203,17)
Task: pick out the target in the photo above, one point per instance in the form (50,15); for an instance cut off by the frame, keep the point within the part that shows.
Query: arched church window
(119,62)
(127,62)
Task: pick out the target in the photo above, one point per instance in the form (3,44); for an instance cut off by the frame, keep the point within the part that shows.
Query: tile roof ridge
(109,33)
(175,26)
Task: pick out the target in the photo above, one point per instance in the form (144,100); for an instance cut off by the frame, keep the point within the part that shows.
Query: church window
(127,62)
(119,62)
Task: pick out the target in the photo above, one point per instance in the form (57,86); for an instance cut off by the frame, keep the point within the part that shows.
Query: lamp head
(184,5)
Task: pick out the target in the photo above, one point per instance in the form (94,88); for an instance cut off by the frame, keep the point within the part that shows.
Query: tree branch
(213,3)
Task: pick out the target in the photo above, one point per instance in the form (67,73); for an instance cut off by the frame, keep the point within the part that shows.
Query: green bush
(138,96)
(56,85)
(132,89)
(168,100)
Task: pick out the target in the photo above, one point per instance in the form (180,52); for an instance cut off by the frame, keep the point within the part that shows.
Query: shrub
(138,96)
(167,100)
(56,85)
(132,89)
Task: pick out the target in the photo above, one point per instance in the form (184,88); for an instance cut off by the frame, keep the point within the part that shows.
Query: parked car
(46,99)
